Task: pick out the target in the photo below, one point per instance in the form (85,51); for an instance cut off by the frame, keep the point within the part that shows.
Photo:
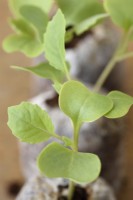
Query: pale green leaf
(122,103)
(82,105)
(89,23)
(21,26)
(57,161)
(69,35)
(36,17)
(75,12)
(54,42)
(57,86)
(67,141)
(121,12)
(15,5)
(44,70)
(30,123)
(23,43)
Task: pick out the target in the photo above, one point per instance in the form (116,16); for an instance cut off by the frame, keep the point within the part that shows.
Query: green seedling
(31,19)
(30,123)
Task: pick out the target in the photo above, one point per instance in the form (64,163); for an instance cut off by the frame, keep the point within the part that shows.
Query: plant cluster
(36,33)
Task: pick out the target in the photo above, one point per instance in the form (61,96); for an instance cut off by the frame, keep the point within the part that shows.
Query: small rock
(39,188)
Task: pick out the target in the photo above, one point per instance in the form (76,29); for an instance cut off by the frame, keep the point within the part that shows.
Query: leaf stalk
(117,57)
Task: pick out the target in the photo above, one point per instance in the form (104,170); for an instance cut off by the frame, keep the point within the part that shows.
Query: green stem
(71,190)
(67,73)
(76,137)
(75,148)
(57,136)
(105,74)
(125,56)
(110,66)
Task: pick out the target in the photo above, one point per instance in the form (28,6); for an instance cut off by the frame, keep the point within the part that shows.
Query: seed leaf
(77,12)
(122,103)
(121,12)
(57,161)
(82,105)
(30,123)
(54,42)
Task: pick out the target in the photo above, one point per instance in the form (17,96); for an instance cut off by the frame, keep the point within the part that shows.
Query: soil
(79,194)
(53,102)
(76,38)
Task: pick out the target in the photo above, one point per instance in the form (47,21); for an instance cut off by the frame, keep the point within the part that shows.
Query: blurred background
(16,87)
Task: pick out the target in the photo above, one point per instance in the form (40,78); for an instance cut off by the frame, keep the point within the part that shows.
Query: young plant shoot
(29,122)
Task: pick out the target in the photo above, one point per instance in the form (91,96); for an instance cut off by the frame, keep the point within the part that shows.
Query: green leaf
(44,70)
(57,161)
(69,35)
(82,105)
(121,12)
(36,17)
(67,141)
(57,86)
(76,12)
(122,104)
(54,42)
(21,26)
(23,43)
(30,123)
(15,5)
(89,23)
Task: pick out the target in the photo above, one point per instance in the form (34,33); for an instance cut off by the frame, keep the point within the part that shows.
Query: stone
(40,188)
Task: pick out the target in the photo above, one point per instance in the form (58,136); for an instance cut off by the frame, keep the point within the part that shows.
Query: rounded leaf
(122,103)
(121,12)
(57,161)
(82,105)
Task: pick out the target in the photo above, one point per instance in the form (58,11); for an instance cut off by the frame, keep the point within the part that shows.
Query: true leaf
(76,12)
(36,16)
(67,141)
(89,23)
(44,70)
(30,123)
(54,42)
(122,103)
(15,5)
(57,161)
(121,12)
(21,26)
(57,86)
(23,43)
(69,35)
(82,105)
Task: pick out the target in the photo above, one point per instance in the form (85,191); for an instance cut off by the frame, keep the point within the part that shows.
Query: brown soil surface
(14,88)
